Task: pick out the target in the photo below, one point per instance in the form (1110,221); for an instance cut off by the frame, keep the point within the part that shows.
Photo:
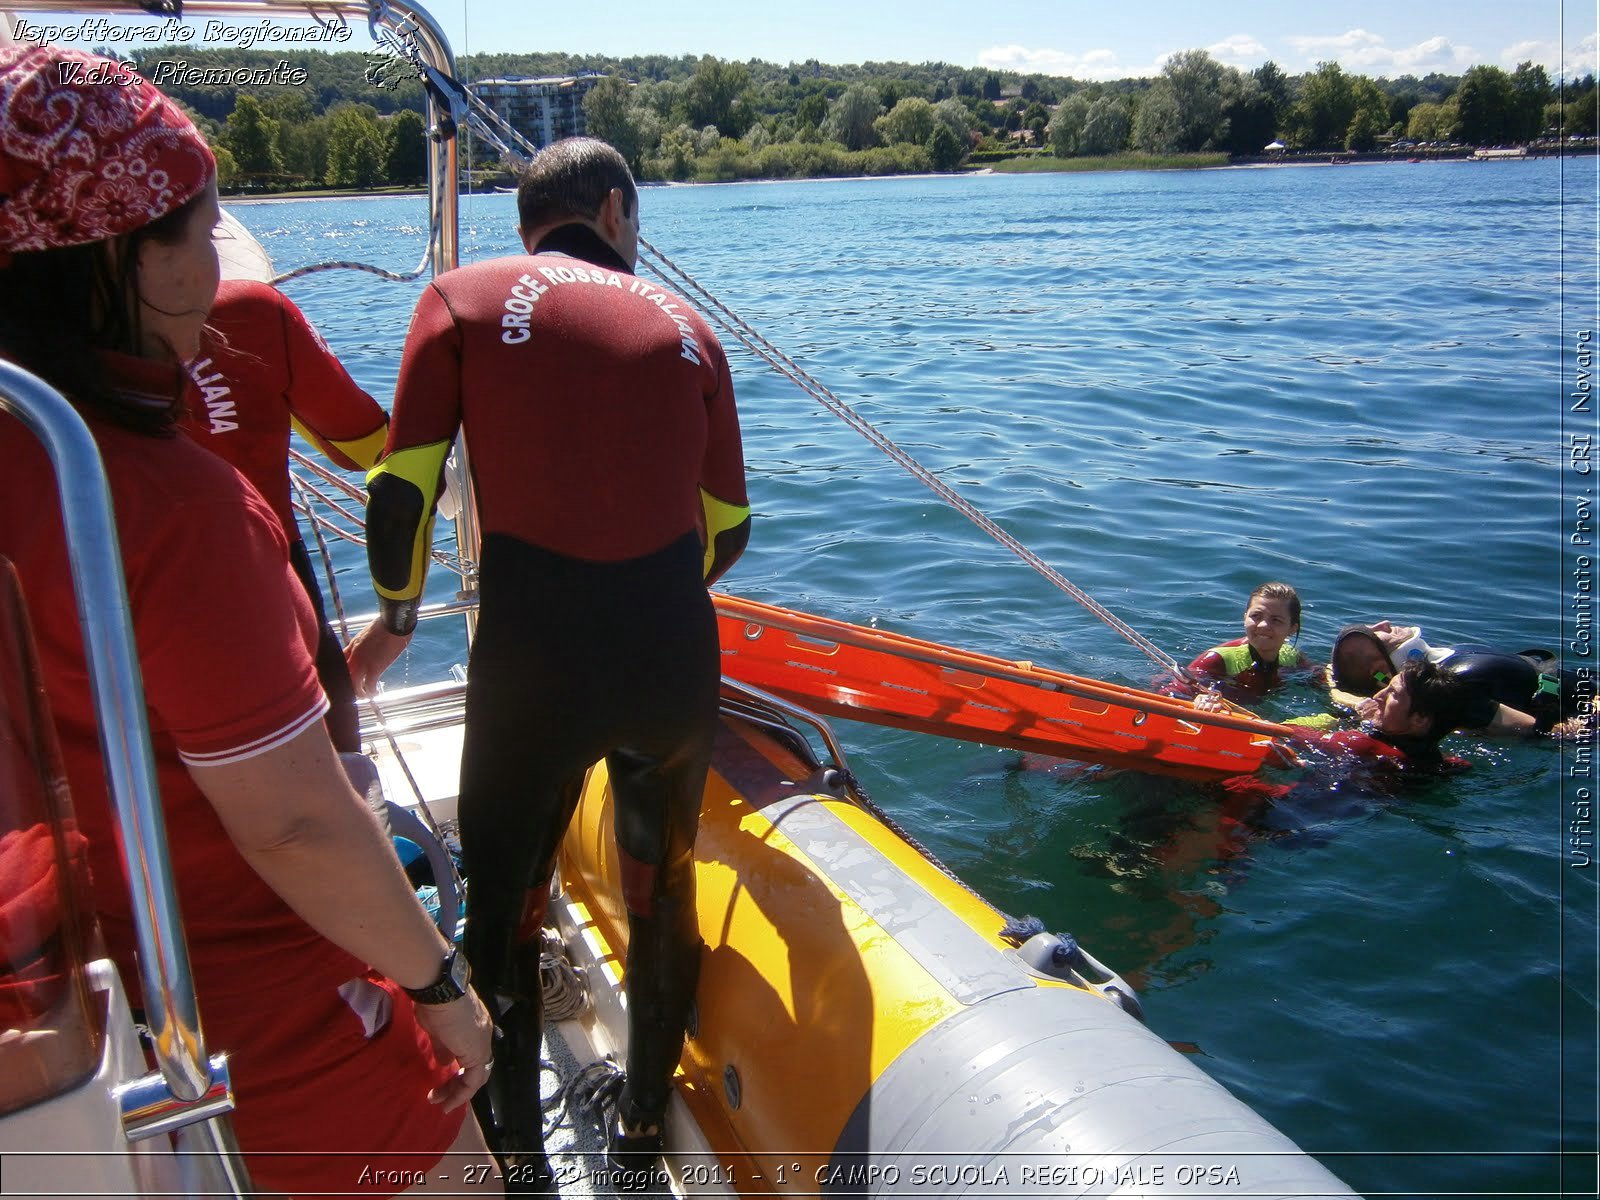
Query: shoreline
(986,171)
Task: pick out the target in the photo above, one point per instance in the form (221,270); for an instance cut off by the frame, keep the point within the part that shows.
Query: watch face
(460,972)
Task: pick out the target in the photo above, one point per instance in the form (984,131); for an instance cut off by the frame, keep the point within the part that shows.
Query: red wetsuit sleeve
(1209,666)
(722,471)
(224,631)
(329,405)
(427,398)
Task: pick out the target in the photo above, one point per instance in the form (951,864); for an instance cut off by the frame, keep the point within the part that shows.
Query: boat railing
(190,1085)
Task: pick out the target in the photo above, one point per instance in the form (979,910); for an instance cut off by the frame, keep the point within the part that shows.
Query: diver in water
(1512,694)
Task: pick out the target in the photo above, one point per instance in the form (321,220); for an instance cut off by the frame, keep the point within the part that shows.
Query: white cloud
(1367,54)
(1090,64)
(1340,42)
(1582,59)
(1240,50)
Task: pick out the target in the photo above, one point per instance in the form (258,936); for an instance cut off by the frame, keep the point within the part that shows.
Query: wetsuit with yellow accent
(262,369)
(608,467)
(1245,673)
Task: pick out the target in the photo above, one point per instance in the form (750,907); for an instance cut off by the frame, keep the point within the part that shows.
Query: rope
(591,1096)
(317,525)
(561,984)
(669,272)
(512,144)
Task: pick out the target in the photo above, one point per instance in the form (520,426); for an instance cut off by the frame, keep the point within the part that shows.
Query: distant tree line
(704,118)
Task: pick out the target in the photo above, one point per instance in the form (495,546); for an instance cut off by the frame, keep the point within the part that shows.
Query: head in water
(1422,701)
(1271,617)
(1361,663)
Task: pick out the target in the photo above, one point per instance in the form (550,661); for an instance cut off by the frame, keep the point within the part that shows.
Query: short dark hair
(570,180)
(1343,679)
(1443,698)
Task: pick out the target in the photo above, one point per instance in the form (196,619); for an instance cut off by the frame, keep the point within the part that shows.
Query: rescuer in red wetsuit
(292,898)
(262,369)
(606,457)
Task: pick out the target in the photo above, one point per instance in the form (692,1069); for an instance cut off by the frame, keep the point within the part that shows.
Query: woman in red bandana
(354,1042)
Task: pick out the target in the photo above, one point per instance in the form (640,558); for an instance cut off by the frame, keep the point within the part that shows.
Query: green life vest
(1236,659)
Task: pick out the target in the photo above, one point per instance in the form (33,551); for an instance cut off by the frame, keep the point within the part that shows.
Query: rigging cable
(514,146)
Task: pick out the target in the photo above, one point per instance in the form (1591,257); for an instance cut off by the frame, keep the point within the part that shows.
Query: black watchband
(454,975)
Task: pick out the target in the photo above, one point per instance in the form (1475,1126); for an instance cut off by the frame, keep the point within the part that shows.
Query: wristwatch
(454,974)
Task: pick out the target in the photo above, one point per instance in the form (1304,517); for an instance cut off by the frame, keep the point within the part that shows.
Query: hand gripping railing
(191,1086)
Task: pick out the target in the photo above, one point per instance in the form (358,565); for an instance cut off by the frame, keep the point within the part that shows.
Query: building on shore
(541,110)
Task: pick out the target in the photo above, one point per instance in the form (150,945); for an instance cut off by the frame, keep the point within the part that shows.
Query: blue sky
(1086,39)
(1082,38)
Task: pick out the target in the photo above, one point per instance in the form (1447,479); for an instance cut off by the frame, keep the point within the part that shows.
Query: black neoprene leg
(514,806)
(657,815)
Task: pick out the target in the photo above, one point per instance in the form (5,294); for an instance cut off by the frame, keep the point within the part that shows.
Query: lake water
(1174,386)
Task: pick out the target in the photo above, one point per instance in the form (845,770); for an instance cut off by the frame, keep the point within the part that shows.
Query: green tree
(1487,106)
(1066,126)
(911,120)
(714,96)
(1274,85)
(944,150)
(252,136)
(1573,113)
(1106,126)
(1251,116)
(227,167)
(407,161)
(1158,126)
(674,157)
(1429,122)
(302,135)
(1201,89)
(613,113)
(1321,117)
(955,117)
(1582,117)
(991,86)
(851,117)
(1531,92)
(357,148)
(813,111)
(1371,116)
(304,148)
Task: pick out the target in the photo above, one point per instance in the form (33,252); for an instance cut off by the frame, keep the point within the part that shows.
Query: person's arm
(404,485)
(724,504)
(372,652)
(293,816)
(328,408)
(1511,722)
(244,714)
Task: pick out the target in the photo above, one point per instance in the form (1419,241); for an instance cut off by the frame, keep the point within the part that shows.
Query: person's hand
(1573,729)
(1367,708)
(1210,701)
(372,652)
(462,1030)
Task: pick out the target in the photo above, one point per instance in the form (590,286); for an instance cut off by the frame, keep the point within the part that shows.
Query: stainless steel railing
(190,1086)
